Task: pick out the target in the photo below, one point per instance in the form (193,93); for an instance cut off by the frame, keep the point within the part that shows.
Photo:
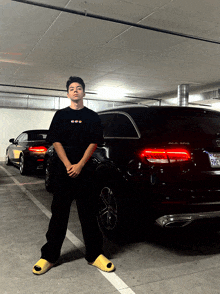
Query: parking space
(149,262)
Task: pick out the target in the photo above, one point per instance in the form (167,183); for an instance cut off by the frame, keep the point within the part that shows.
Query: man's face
(75,92)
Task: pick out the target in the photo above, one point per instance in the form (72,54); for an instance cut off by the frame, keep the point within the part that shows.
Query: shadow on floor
(198,239)
(69,257)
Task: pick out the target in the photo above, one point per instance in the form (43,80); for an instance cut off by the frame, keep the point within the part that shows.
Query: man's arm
(74,170)
(62,154)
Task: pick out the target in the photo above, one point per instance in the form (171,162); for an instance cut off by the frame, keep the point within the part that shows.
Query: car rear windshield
(37,136)
(177,121)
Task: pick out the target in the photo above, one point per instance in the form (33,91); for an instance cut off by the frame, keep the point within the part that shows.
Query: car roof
(122,108)
(36,131)
(130,109)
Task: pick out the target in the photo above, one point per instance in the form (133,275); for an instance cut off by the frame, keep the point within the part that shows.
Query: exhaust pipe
(182,220)
(173,221)
(177,224)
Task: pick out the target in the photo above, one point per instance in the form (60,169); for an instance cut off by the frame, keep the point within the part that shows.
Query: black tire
(109,212)
(112,205)
(23,166)
(49,180)
(7,160)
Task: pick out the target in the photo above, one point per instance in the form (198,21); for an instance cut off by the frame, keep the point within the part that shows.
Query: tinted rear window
(37,136)
(177,121)
(117,125)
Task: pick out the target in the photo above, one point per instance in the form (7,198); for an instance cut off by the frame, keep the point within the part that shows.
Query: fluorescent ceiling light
(111,92)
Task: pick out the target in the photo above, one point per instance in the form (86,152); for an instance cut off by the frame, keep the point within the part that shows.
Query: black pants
(83,190)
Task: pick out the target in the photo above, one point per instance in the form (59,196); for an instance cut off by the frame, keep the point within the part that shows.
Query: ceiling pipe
(143,98)
(183,94)
(39,88)
(114,20)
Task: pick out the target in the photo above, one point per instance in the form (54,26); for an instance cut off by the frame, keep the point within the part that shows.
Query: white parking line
(113,278)
(22,184)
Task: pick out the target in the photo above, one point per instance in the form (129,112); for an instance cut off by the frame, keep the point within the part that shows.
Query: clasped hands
(74,170)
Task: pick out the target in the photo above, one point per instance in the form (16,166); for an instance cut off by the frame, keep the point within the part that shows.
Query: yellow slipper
(103,264)
(42,266)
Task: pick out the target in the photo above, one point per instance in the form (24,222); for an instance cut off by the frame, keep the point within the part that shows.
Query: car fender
(108,172)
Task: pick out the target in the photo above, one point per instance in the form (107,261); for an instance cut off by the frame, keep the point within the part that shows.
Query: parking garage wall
(21,112)
(15,121)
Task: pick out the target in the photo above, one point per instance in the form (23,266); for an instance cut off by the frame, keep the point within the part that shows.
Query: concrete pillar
(183,94)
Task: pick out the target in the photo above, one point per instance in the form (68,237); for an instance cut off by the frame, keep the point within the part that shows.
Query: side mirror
(12,140)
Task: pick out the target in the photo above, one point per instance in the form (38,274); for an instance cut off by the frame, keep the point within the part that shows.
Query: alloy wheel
(7,160)
(22,165)
(108,213)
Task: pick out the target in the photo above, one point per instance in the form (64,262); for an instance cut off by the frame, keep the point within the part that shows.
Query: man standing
(75,132)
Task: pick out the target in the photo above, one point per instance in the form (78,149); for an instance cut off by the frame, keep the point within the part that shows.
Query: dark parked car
(28,150)
(167,158)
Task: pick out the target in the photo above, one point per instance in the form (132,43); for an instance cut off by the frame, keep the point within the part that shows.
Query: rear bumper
(182,220)
(35,161)
(174,207)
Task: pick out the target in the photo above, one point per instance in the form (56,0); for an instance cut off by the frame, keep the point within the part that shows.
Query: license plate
(214,159)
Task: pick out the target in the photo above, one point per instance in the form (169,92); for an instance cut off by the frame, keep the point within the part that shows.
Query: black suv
(167,158)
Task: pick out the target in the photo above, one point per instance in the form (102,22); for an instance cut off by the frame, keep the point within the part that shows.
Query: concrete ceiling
(41,47)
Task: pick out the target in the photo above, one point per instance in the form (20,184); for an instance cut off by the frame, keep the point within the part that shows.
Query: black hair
(75,80)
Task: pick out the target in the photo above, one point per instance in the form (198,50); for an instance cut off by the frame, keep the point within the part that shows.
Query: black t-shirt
(75,130)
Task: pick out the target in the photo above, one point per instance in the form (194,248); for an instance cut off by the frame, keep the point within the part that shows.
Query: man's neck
(76,106)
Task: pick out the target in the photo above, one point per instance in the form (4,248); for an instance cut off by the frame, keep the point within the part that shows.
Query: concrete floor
(157,263)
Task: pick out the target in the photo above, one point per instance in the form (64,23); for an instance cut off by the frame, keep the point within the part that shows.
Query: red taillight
(165,155)
(38,149)
(175,155)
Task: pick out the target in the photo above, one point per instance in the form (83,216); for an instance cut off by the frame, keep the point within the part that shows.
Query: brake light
(165,155)
(38,149)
